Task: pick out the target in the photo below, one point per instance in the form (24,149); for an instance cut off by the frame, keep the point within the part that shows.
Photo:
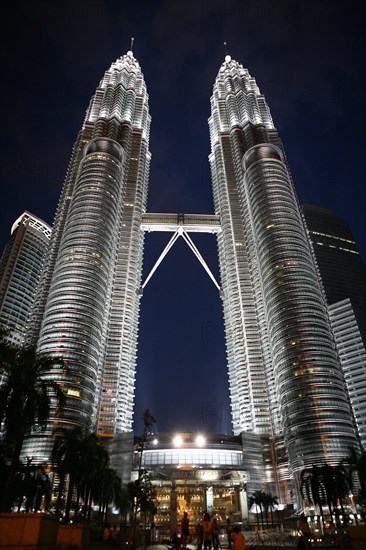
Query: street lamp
(200,440)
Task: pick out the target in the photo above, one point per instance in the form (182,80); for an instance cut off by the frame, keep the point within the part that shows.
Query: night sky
(308,58)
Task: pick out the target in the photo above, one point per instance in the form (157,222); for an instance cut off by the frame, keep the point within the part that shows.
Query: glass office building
(340,264)
(352,354)
(20,269)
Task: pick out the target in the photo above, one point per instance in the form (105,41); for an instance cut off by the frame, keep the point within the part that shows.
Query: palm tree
(124,503)
(107,491)
(312,487)
(93,479)
(33,488)
(26,394)
(67,458)
(269,503)
(327,474)
(258,498)
(79,457)
(358,465)
(342,485)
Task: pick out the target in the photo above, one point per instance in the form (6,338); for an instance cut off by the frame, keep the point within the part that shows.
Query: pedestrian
(238,539)
(215,534)
(107,533)
(175,541)
(304,532)
(304,527)
(207,532)
(199,535)
(115,537)
(185,530)
(228,531)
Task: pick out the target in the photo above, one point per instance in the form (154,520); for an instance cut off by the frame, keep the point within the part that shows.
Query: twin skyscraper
(285,380)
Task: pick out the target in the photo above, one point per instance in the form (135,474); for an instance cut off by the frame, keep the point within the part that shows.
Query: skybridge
(191,223)
(181,225)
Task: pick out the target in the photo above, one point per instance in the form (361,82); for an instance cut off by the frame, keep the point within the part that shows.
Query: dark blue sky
(308,58)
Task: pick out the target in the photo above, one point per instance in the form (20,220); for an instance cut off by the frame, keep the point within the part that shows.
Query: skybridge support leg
(196,252)
(161,258)
(181,233)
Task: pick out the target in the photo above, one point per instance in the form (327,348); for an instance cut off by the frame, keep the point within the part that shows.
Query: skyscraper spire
(227,56)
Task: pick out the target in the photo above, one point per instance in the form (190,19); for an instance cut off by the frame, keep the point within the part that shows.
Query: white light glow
(200,440)
(178,440)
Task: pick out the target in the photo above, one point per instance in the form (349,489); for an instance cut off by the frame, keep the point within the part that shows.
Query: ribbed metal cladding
(77,308)
(317,419)
(239,117)
(87,308)
(284,374)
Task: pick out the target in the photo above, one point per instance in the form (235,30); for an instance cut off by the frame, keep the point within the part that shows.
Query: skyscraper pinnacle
(227,56)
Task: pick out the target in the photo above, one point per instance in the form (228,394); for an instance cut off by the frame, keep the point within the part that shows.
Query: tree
(76,455)
(326,483)
(149,422)
(342,485)
(111,486)
(94,477)
(26,396)
(79,457)
(312,487)
(357,464)
(124,503)
(143,494)
(258,498)
(269,503)
(141,489)
(33,488)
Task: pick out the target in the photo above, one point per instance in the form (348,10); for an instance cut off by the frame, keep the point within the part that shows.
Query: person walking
(215,533)
(207,532)
(199,535)
(228,532)
(107,534)
(238,539)
(185,530)
(304,527)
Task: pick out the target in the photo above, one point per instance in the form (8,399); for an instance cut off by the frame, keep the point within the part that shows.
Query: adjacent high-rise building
(20,269)
(352,354)
(344,279)
(340,264)
(286,386)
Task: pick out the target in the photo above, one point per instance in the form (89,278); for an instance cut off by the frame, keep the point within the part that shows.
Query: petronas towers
(87,308)
(285,380)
